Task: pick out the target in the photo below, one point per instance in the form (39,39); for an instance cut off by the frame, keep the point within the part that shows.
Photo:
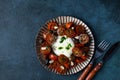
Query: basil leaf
(68,46)
(62,39)
(60,48)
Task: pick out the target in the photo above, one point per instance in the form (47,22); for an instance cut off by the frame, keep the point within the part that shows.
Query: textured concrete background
(20,21)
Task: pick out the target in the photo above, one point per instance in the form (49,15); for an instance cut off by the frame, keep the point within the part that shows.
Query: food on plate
(52,26)
(77,52)
(64,45)
(70,33)
(45,48)
(53,57)
(61,30)
(84,38)
(49,37)
(63,59)
(79,29)
(69,24)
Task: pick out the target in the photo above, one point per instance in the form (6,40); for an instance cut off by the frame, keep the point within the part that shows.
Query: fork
(100,49)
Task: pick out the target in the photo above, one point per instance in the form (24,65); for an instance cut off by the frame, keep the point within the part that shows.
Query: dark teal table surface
(20,21)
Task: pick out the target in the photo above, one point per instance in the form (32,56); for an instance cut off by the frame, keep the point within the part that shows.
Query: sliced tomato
(69,24)
(84,57)
(52,26)
(78,60)
(67,65)
(53,57)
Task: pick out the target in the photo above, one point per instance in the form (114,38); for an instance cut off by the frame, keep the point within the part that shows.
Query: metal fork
(100,49)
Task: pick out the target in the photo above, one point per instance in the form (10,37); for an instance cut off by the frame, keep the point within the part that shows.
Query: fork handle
(94,71)
(85,72)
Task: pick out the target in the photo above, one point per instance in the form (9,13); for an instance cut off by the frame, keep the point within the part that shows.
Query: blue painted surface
(20,21)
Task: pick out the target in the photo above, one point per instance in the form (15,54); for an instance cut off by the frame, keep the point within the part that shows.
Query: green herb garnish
(68,47)
(60,48)
(62,39)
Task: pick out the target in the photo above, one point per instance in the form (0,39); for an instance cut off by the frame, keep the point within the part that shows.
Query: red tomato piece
(67,65)
(69,24)
(53,57)
(84,57)
(79,45)
(52,26)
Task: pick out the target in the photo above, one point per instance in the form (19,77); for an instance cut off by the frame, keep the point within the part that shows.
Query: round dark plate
(61,20)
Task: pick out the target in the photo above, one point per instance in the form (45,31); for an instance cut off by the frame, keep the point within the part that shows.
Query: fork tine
(101,43)
(107,45)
